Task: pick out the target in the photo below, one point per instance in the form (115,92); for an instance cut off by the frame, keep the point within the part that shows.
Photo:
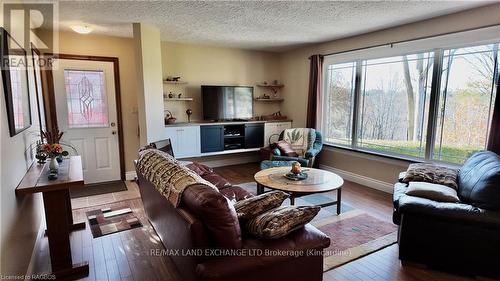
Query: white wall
(20,217)
(150,85)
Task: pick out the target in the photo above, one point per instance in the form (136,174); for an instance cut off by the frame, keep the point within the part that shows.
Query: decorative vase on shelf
(189,112)
(53,164)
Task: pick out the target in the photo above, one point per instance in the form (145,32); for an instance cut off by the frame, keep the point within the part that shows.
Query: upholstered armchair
(314,146)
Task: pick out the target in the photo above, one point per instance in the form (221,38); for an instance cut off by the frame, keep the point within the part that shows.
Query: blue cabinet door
(254,135)
(212,138)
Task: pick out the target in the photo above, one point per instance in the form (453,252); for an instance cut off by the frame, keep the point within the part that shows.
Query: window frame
(454,41)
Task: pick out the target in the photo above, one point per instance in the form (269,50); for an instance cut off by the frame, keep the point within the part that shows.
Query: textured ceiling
(261,25)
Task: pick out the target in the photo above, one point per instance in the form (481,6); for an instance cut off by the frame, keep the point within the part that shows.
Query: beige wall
(382,169)
(20,216)
(295,71)
(195,63)
(206,65)
(123,49)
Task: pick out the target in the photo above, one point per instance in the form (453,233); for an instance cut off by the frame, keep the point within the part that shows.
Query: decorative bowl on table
(296,173)
(296,177)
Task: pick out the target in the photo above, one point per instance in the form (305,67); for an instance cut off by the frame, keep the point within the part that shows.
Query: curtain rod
(404,41)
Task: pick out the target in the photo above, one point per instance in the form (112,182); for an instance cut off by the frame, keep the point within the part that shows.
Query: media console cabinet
(215,138)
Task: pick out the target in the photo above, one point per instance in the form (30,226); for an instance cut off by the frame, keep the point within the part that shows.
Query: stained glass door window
(86,98)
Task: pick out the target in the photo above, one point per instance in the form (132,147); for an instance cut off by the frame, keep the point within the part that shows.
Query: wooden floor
(128,255)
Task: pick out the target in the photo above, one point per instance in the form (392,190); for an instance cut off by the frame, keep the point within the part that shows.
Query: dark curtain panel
(494,138)
(315,76)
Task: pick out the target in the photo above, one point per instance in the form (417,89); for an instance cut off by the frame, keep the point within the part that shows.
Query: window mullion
(493,90)
(357,97)
(434,103)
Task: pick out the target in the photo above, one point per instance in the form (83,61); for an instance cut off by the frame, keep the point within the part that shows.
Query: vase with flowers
(55,152)
(53,149)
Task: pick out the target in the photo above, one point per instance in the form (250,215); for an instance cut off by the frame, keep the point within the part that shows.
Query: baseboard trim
(360,179)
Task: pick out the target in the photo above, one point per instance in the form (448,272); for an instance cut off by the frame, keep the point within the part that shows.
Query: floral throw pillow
(281,221)
(425,172)
(254,206)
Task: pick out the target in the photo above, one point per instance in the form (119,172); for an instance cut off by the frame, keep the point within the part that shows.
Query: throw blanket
(301,139)
(168,175)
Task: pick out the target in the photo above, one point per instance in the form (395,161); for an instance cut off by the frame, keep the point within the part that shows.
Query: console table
(58,214)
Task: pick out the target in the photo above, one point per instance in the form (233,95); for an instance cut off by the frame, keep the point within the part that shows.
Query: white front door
(86,113)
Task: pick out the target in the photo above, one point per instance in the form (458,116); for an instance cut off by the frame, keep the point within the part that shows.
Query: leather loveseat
(459,237)
(206,223)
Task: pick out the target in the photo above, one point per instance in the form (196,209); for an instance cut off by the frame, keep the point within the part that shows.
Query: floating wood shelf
(271,86)
(270,100)
(175,82)
(178,99)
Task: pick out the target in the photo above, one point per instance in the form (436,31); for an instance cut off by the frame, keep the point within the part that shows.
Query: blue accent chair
(266,164)
(312,151)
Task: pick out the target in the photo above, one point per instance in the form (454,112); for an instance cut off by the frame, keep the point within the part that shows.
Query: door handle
(113,124)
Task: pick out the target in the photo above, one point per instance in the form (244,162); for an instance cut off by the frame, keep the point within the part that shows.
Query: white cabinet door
(185,140)
(171,133)
(189,142)
(269,130)
(274,128)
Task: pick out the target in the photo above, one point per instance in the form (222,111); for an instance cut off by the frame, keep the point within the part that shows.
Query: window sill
(398,160)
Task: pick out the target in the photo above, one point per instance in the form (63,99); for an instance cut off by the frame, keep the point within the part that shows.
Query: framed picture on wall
(37,78)
(14,65)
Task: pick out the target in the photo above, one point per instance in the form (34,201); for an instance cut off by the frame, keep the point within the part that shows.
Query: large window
(394,103)
(341,79)
(466,101)
(388,104)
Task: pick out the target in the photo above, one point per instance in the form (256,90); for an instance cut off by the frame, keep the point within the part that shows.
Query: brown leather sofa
(206,223)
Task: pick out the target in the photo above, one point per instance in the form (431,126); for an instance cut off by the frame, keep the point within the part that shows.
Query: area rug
(97,189)
(354,234)
(111,220)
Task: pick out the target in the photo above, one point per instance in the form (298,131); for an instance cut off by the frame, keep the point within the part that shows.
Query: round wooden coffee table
(318,181)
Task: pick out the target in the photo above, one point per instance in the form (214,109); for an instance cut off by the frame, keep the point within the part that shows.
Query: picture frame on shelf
(14,67)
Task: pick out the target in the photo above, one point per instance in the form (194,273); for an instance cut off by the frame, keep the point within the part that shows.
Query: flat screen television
(227,102)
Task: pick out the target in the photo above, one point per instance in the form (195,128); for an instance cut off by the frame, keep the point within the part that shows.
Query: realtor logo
(26,21)
(23,20)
